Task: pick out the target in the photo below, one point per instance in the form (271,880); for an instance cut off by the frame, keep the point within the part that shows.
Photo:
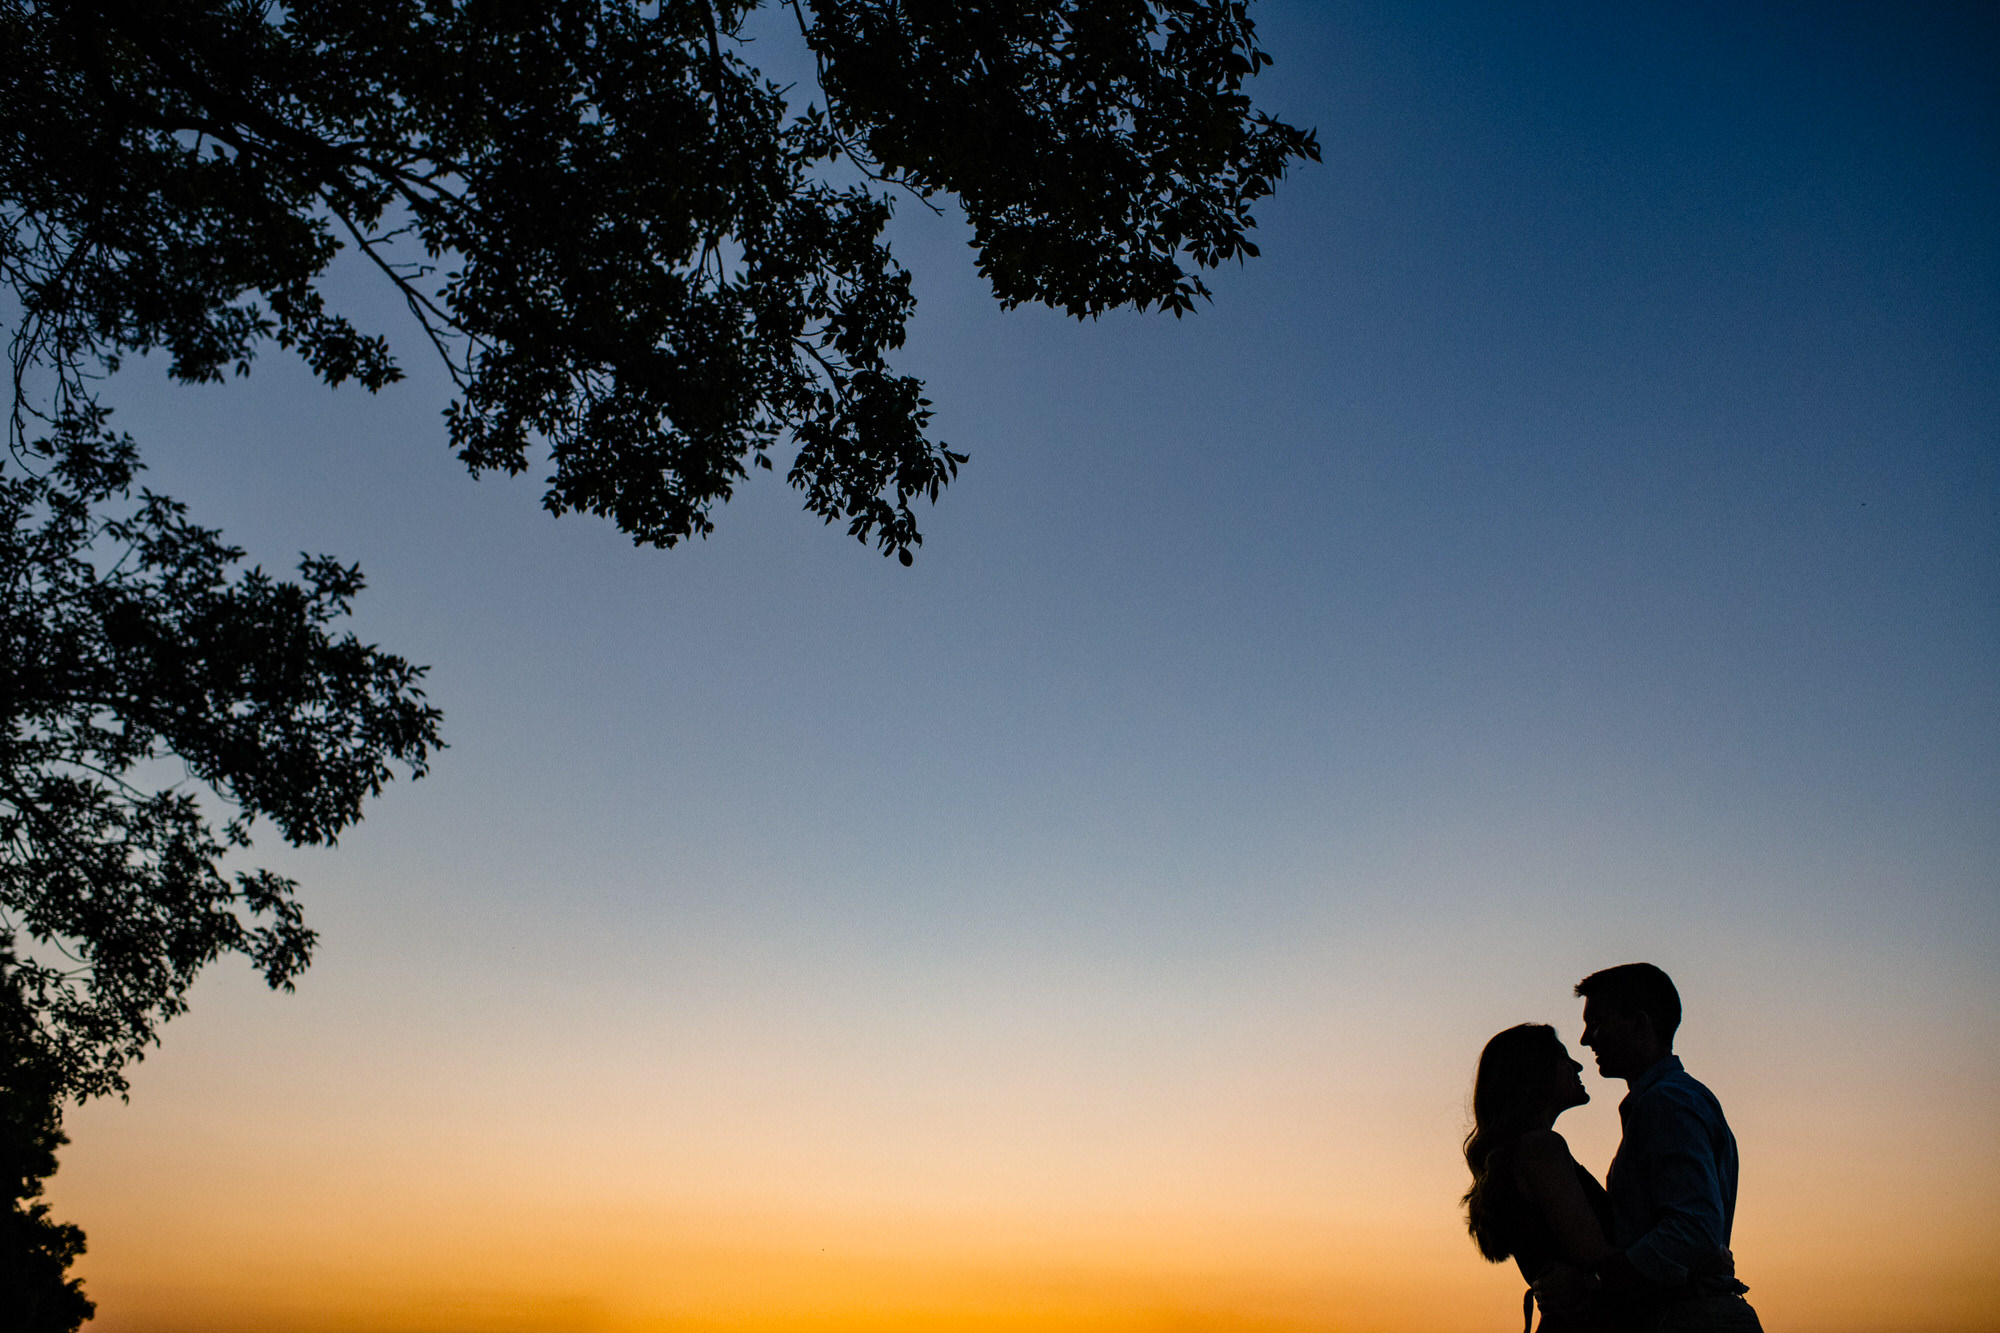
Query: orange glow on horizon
(623,1279)
(1282,1164)
(494,1256)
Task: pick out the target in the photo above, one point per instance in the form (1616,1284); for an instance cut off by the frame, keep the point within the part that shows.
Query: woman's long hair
(1516,1071)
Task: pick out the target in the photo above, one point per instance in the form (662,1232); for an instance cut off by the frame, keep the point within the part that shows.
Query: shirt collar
(1665,1065)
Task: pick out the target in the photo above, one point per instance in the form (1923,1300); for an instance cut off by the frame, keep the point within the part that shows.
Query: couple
(1648,1250)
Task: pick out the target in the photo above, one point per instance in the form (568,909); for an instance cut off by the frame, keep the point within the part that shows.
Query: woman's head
(1524,1073)
(1526,1079)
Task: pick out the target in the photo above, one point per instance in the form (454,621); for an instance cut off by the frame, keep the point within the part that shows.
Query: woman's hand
(1560,1289)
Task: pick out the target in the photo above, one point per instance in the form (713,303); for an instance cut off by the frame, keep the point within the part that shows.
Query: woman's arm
(1546,1174)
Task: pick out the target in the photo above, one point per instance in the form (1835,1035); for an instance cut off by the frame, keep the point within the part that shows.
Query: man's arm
(1566,1287)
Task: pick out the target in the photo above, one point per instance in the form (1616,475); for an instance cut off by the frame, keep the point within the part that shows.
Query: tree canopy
(646,266)
(643,263)
(36,1251)
(130,639)
(155,700)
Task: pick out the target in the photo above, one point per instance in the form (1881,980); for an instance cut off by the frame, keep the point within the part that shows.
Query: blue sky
(1577,538)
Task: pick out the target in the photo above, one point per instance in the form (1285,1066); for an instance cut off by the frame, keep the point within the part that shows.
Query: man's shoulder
(1678,1092)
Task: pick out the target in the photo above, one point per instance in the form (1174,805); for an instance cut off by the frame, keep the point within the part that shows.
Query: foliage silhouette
(126,638)
(626,244)
(638,259)
(35,1250)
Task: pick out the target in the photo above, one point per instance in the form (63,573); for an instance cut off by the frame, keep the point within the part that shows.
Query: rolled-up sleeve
(1689,1230)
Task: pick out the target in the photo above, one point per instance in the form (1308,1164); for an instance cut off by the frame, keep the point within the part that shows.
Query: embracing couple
(1647,1250)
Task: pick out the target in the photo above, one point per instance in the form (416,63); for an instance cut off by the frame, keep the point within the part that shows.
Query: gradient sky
(1576,540)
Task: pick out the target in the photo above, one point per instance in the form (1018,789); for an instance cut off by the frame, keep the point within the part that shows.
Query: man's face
(1623,1041)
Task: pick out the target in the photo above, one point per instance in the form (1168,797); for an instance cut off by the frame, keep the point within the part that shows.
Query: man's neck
(1632,1081)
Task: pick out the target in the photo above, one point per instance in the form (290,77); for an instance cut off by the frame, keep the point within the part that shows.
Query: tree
(635,255)
(129,644)
(154,702)
(35,1250)
(631,250)
(638,259)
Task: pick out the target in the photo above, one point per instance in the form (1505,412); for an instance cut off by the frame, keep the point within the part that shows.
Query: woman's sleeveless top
(1532,1241)
(1527,1234)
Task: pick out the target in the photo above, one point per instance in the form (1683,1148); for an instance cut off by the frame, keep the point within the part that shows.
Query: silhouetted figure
(1672,1185)
(1530,1200)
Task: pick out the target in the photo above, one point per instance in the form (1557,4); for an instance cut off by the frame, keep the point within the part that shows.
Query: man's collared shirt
(1673,1182)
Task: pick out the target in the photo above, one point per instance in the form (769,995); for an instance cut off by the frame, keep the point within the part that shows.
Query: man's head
(1630,1014)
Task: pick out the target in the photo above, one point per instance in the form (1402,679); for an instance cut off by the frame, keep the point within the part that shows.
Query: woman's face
(1569,1089)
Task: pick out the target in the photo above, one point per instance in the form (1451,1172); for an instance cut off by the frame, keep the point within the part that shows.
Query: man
(1673,1181)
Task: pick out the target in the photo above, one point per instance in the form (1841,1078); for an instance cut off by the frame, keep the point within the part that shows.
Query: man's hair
(1637,988)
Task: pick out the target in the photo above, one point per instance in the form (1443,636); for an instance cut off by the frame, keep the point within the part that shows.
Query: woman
(1529,1199)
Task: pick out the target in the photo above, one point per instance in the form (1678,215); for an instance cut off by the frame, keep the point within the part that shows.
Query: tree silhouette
(36,1251)
(633,252)
(128,638)
(645,267)
(154,702)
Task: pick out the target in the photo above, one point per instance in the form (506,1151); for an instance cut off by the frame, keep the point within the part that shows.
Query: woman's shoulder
(1541,1156)
(1539,1146)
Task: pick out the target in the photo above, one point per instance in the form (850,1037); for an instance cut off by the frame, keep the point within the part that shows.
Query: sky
(1575,540)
